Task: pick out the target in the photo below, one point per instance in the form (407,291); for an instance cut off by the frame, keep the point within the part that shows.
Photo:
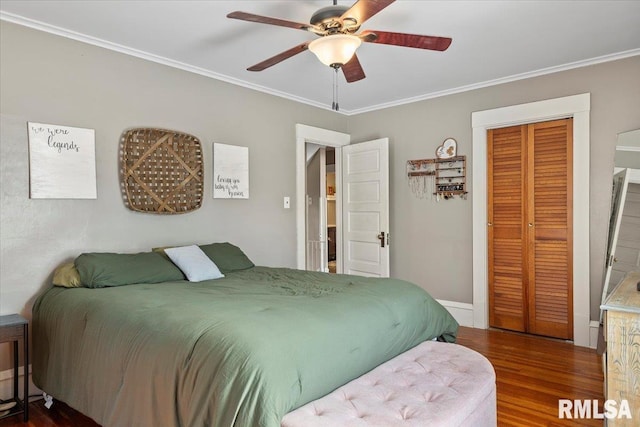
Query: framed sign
(62,162)
(230,172)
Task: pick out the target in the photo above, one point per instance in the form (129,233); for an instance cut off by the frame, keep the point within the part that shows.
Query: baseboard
(6,383)
(594,327)
(462,312)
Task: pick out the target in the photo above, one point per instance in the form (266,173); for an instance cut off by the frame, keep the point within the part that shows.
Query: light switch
(287,202)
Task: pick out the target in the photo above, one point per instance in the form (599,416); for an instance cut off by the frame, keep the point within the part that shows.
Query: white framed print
(62,162)
(230,171)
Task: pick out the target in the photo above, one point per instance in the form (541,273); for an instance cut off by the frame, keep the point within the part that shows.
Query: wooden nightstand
(14,327)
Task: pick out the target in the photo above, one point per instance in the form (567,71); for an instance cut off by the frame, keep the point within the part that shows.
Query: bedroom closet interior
(530,210)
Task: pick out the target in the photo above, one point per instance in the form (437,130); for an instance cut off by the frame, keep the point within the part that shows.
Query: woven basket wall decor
(161,171)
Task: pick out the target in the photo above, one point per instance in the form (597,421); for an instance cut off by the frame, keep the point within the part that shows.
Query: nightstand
(14,327)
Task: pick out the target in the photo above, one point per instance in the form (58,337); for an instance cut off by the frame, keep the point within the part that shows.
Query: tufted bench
(433,384)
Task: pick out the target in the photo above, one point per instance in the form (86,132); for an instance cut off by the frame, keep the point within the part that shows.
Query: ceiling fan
(337,27)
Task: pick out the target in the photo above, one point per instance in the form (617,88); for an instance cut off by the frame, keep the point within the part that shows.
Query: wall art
(230,171)
(62,162)
(448,149)
(161,171)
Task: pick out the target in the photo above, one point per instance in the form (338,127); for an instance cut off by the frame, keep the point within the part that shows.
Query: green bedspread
(239,351)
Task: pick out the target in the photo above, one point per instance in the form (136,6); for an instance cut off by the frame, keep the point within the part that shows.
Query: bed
(241,350)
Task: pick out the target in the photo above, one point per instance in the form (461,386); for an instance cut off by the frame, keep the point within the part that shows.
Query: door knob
(530,224)
(381,238)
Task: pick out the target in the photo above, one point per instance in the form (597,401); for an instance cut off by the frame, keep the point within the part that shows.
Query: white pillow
(194,263)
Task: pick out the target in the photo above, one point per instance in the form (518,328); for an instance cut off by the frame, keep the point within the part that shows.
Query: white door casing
(365,208)
(309,134)
(578,107)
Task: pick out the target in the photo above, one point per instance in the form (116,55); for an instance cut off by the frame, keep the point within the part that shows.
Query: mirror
(623,245)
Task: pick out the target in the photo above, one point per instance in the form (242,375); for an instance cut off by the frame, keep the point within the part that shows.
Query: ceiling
(493,42)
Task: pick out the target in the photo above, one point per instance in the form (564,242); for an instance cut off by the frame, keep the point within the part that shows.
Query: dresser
(622,357)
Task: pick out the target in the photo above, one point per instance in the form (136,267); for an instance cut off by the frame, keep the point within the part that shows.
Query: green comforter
(238,351)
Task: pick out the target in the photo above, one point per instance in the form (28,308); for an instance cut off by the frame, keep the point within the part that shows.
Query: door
(549,228)
(506,153)
(618,198)
(365,208)
(530,211)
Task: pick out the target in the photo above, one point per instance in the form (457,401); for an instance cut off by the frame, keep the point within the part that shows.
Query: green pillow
(99,270)
(227,257)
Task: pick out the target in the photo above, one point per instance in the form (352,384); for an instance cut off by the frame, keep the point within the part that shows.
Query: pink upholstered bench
(433,384)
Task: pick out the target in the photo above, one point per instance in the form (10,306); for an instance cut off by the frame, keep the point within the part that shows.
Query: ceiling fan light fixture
(335,50)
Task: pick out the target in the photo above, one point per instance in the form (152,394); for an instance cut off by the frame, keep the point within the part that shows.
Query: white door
(618,198)
(365,208)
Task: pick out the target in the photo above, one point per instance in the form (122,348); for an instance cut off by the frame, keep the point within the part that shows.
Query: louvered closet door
(506,184)
(530,228)
(550,213)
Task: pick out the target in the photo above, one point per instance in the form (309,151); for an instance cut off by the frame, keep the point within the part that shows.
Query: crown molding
(63,32)
(59,31)
(502,80)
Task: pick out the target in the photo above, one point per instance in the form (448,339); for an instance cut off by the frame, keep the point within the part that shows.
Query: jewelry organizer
(442,178)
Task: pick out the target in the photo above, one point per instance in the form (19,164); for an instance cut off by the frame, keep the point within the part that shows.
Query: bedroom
(52,79)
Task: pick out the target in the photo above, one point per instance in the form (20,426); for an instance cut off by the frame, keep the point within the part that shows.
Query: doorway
(321,211)
(362,205)
(327,139)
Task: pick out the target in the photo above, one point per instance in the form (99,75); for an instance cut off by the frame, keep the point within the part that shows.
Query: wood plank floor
(532,374)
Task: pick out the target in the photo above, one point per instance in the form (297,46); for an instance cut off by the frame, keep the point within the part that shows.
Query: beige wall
(432,241)
(49,79)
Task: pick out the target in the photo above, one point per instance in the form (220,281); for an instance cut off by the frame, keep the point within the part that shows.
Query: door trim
(578,107)
(327,138)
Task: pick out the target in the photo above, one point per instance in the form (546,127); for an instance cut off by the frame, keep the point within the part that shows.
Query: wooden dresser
(622,333)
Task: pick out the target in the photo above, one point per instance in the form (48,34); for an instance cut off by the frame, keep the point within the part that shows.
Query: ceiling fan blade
(244,16)
(279,57)
(407,40)
(353,70)
(365,9)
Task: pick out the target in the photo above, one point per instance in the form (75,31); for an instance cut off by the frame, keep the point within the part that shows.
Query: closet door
(549,224)
(507,208)
(530,214)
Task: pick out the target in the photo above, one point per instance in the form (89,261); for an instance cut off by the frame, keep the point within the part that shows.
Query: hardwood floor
(532,373)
